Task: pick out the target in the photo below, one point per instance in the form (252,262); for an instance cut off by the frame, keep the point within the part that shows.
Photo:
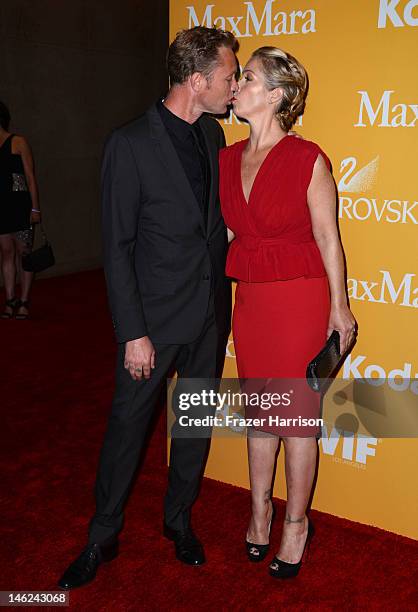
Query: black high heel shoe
(282,569)
(10,303)
(22,316)
(258,552)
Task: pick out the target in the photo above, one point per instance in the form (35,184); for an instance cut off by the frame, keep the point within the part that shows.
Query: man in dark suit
(165,246)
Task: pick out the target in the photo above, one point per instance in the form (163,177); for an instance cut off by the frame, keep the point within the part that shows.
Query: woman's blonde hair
(283,70)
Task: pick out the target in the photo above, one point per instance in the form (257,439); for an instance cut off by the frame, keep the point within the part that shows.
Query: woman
(19,208)
(278,200)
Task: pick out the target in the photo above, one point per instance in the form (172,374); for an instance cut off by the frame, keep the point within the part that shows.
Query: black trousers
(132,409)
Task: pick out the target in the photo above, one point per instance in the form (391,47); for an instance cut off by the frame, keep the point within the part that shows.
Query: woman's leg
(300,463)
(262,458)
(8,268)
(24,242)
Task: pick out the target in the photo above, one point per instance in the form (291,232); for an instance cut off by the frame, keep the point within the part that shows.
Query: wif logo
(353,447)
(391,11)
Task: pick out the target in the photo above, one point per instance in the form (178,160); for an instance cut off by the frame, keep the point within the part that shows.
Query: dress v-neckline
(263,163)
(4,141)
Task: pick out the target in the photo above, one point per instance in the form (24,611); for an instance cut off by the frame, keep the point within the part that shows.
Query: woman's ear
(275,95)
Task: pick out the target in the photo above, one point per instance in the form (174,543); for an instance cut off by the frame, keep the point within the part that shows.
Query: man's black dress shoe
(188,548)
(84,568)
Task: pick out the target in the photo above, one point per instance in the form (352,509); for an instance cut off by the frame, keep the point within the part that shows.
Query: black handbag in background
(41,258)
(324,363)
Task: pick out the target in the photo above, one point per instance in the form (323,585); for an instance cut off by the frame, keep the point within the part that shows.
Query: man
(165,246)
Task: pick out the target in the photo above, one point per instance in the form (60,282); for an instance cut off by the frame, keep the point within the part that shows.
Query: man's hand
(140,358)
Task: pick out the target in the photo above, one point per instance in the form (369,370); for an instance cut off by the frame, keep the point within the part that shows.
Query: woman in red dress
(278,200)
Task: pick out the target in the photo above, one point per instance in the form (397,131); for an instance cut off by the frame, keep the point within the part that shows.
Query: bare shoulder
(305,146)
(311,152)
(20,144)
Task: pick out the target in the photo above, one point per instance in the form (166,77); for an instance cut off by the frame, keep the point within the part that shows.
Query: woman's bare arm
(23,148)
(321,202)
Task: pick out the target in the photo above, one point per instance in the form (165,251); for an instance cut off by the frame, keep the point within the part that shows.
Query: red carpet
(57,377)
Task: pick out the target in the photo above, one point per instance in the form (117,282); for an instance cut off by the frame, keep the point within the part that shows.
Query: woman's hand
(35,217)
(342,320)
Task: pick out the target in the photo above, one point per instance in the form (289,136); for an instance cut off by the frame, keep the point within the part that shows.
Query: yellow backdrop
(362,110)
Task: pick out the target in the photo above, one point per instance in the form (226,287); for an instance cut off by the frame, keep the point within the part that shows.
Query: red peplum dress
(282,301)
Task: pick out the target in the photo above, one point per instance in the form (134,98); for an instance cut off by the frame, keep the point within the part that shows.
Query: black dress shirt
(189,143)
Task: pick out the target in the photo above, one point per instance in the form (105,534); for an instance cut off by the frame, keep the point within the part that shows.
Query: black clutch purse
(40,259)
(325,363)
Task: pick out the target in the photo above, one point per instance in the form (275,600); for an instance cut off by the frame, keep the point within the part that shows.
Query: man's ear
(275,95)
(197,81)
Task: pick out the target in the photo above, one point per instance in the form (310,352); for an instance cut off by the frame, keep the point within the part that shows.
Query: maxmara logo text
(387,111)
(397,13)
(385,290)
(260,20)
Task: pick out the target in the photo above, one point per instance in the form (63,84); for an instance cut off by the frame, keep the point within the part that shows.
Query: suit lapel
(168,156)
(214,169)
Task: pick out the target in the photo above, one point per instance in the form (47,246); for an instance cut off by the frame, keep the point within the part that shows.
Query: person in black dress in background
(19,209)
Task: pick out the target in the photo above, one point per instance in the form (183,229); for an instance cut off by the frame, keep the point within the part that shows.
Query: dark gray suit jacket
(159,261)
